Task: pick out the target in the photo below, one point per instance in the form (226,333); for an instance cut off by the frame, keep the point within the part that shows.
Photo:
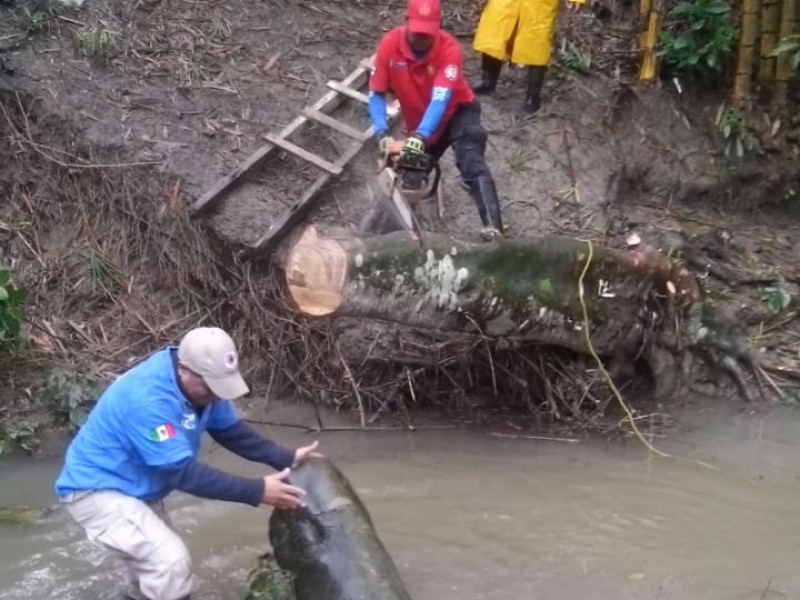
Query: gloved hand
(384,143)
(414,145)
(388,146)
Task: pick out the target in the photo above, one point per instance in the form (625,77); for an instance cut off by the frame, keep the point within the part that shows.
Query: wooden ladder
(318,112)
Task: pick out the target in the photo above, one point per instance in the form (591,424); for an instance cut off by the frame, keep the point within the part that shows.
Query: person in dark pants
(422,66)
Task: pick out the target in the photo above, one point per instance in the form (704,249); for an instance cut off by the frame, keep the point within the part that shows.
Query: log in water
(331,546)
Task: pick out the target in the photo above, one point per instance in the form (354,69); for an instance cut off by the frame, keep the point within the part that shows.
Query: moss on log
(640,304)
(524,288)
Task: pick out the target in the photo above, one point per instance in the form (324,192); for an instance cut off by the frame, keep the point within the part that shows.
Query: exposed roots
(114,269)
(110,262)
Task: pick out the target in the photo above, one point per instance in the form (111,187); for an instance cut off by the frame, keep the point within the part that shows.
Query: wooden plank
(227,182)
(336,124)
(279,229)
(315,160)
(330,100)
(343,88)
(300,210)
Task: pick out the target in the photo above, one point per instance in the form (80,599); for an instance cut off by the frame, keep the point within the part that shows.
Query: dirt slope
(194,86)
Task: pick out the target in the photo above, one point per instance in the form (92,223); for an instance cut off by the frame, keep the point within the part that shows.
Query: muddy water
(469,516)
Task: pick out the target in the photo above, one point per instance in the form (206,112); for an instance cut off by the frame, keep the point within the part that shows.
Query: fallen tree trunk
(638,303)
(331,546)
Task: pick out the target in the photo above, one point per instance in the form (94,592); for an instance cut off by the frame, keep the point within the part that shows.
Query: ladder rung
(348,91)
(336,124)
(320,162)
(393,109)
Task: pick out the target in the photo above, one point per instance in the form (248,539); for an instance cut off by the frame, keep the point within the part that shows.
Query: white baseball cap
(211,353)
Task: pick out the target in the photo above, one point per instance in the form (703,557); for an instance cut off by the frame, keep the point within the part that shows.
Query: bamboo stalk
(651,12)
(644,12)
(796,23)
(783,72)
(747,50)
(770,23)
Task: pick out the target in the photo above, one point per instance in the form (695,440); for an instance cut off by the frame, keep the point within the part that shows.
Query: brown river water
(470,516)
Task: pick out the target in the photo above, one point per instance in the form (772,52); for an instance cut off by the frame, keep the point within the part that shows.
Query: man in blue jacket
(141,441)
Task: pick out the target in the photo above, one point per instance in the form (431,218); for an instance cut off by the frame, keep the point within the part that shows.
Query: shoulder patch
(162,433)
(189,420)
(440,94)
(451,72)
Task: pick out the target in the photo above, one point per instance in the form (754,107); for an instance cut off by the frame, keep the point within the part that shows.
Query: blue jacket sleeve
(377,113)
(198,479)
(247,443)
(434,113)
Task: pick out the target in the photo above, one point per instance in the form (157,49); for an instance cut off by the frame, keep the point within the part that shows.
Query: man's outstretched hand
(304,453)
(280,494)
(388,146)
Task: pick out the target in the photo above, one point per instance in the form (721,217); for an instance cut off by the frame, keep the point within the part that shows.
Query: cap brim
(426,27)
(227,388)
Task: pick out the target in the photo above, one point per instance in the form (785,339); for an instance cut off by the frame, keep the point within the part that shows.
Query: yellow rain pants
(520,30)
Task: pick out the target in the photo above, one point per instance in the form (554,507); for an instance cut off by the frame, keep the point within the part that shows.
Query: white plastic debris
(633,240)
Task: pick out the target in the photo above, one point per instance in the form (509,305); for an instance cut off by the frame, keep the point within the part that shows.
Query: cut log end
(315,273)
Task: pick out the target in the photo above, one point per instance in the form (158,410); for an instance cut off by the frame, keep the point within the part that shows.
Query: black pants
(467,136)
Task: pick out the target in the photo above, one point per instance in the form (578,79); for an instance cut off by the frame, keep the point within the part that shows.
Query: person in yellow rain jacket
(522,31)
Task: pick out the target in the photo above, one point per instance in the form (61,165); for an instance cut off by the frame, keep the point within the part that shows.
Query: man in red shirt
(422,66)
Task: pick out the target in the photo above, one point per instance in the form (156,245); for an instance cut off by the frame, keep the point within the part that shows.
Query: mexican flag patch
(162,433)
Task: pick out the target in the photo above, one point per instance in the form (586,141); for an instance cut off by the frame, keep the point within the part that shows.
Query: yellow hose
(606,375)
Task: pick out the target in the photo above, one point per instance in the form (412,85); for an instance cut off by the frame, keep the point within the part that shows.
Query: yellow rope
(606,375)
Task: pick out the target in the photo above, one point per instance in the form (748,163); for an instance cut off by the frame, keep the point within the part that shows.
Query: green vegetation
(732,129)
(32,21)
(70,395)
(699,39)
(576,60)
(791,47)
(19,515)
(95,44)
(66,398)
(777,299)
(11,301)
(18,436)
(267,581)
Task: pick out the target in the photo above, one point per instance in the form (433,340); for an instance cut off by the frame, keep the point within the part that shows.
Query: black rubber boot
(490,73)
(484,193)
(533,91)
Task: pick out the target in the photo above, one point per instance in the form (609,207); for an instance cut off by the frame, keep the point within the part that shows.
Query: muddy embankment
(117,116)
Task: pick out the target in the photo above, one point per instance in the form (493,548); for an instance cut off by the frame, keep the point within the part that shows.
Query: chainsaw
(407,179)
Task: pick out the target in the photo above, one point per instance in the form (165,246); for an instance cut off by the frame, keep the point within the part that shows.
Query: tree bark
(526,289)
(331,546)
